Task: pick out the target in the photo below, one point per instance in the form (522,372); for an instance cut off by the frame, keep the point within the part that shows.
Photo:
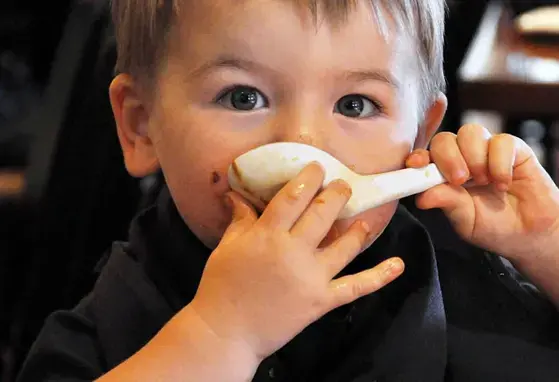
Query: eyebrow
(372,75)
(229,62)
(251,66)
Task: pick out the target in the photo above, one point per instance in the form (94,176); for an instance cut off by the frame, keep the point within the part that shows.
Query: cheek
(198,182)
(374,150)
(202,208)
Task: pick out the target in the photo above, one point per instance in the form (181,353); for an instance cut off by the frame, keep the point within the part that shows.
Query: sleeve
(121,314)
(66,350)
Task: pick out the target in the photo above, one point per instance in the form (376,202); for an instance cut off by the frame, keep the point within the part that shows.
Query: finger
(349,288)
(473,142)
(443,196)
(448,158)
(344,249)
(418,158)
(502,156)
(292,200)
(454,201)
(527,165)
(243,216)
(321,214)
(523,153)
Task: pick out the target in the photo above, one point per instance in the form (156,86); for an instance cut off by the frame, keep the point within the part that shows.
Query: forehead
(274,30)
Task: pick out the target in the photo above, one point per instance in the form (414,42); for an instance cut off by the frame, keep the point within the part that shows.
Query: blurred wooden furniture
(508,74)
(77,197)
(11,183)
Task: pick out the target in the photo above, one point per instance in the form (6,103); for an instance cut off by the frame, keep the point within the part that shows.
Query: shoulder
(120,315)
(67,347)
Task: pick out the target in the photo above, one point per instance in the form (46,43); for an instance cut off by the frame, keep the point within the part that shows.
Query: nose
(303,123)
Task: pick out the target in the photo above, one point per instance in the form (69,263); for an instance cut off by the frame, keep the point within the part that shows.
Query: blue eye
(356,106)
(243,98)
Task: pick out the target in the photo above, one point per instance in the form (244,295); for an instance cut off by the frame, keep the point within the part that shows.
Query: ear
(432,121)
(132,118)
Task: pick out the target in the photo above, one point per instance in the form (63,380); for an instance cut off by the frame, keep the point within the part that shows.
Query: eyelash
(379,106)
(229,89)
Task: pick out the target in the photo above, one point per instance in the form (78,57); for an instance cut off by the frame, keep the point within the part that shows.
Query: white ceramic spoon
(260,173)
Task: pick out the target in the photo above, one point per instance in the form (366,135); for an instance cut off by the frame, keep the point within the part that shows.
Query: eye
(244,98)
(356,106)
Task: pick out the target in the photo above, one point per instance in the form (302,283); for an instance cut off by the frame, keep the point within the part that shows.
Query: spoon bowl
(260,173)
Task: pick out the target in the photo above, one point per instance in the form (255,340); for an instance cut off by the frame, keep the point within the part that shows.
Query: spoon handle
(375,190)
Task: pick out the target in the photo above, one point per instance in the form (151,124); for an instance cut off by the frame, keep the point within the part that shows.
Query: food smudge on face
(215,177)
(237,171)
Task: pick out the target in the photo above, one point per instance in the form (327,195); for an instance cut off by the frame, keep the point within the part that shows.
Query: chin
(208,231)
(210,234)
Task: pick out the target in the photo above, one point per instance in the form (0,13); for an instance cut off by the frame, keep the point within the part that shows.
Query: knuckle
(262,238)
(501,174)
(359,239)
(293,193)
(357,289)
(352,241)
(471,129)
(319,301)
(477,168)
(318,214)
(344,255)
(503,138)
(442,138)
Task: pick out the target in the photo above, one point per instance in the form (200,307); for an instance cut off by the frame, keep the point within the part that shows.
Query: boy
(277,296)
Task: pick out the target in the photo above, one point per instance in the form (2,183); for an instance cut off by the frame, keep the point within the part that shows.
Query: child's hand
(513,207)
(267,281)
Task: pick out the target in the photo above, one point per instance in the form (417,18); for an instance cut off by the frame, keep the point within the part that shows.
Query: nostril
(306,139)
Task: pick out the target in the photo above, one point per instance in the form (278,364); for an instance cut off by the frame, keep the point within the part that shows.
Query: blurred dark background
(65,195)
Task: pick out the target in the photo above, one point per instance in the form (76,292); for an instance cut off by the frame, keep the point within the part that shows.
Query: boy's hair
(142,28)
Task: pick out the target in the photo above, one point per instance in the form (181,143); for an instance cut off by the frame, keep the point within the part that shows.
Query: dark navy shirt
(457,314)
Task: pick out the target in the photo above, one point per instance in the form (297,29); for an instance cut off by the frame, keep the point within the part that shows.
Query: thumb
(418,158)
(454,201)
(243,216)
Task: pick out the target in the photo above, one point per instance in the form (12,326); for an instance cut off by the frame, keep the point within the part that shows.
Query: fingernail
(461,175)
(344,188)
(482,180)
(317,163)
(418,156)
(365,226)
(503,187)
(228,200)
(393,266)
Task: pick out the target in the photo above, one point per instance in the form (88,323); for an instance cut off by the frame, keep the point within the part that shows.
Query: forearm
(186,349)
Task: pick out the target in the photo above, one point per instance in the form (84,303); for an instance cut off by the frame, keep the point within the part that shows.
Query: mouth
(237,183)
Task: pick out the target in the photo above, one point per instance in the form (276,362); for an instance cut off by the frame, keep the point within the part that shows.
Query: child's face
(240,76)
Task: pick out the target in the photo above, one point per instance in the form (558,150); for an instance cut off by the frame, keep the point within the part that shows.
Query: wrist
(233,356)
(535,250)
(187,349)
(540,264)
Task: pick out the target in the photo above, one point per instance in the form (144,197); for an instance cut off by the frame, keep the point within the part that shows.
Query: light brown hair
(142,29)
